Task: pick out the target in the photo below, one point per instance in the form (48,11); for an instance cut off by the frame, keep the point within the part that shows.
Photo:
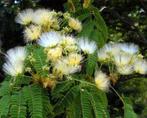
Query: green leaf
(99,103)
(61,88)
(100,23)
(82,14)
(40,61)
(87,29)
(4,88)
(85,104)
(38,101)
(97,36)
(18,107)
(91,64)
(94,26)
(4,106)
(128,109)
(67,99)
(90,103)
(74,109)
(23,80)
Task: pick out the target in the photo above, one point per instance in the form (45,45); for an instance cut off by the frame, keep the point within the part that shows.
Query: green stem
(117,94)
(70,78)
(95,86)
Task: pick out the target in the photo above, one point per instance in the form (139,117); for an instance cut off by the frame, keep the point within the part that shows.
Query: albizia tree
(66,67)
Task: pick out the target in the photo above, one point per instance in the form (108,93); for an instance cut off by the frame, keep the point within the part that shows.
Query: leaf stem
(82,81)
(118,95)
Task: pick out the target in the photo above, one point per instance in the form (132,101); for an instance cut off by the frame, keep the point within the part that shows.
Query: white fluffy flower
(102,55)
(129,48)
(107,52)
(13,69)
(43,17)
(15,61)
(54,54)
(112,49)
(49,39)
(75,24)
(125,70)
(87,46)
(140,66)
(102,81)
(25,17)
(108,47)
(32,32)
(122,60)
(61,67)
(73,59)
(71,48)
(16,54)
(67,41)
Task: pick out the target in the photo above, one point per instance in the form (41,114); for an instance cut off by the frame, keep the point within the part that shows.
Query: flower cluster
(62,51)
(125,56)
(39,21)
(65,54)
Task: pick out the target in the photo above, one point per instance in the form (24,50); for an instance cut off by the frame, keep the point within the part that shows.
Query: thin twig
(127,78)
(118,95)
(131,25)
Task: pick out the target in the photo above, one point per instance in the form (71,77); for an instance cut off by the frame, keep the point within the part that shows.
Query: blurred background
(126,20)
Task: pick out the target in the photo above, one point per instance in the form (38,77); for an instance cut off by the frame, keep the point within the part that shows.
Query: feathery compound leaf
(67,99)
(94,26)
(98,37)
(100,23)
(18,107)
(4,88)
(88,27)
(23,80)
(128,109)
(82,14)
(100,95)
(74,109)
(40,61)
(98,101)
(38,101)
(85,104)
(4,106)
(4,98)
(91,63)
(61,88)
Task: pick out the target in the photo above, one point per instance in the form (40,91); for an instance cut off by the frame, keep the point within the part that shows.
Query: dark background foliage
(126,21)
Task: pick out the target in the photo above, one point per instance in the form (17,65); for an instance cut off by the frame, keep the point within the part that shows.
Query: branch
(115,14)
(126,78)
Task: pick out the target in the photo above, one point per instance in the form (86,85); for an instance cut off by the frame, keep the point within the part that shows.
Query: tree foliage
(75,98)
